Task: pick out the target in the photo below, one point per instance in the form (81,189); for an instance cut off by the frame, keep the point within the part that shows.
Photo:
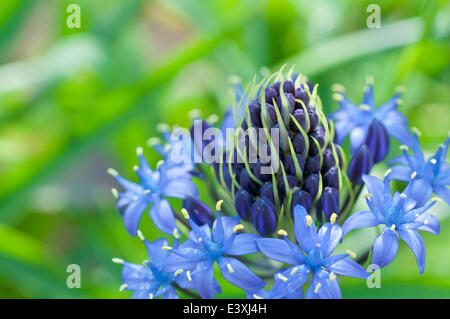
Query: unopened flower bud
(265,218)
(361,163)
(243,204)
(377,140)
(199,212)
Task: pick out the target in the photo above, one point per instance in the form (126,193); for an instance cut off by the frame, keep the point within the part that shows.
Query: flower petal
(239,274)
(328,237)
(430,223)
(322,287)
(155,252)
(443,192)
(400,173)
(133,213)
(350,268)
(385,248)
(243,244)
(306,235)
(417,245)
(162,216)
(359,220)
(279,250)
(204,281)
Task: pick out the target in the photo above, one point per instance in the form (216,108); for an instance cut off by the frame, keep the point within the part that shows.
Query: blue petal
(239,274)
(180,188)
(297,277)
(170,293)
(228,224)
(359,220)
(133,213)
(385,248)
(357,136)
(375,187)
(350,268)
(420,190)
(400,173)
(306,235)
(322,287)
(155,253)
(141,294)
(397,126)
(430,224)
(138,277)
(328,237)
(243,244)
(204,281)
(162,216)
(184,258)
(279,250)
(415,242)
(443,192)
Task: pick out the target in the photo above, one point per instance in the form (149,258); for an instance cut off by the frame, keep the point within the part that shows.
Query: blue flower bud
(292,182)
(300,94)
(300,117)
(328,160)
(243,204)
(265,219)
(288,87)
(328,203)
(200,213)
(270,95)
(331,178)
(319,135)
(256,169)
(298,142)
(313,119)
(312,165)
(289,164)
(247,182)
(300,197)
(312,184)
(377,139)
(361,163)
(266,191)
(272,114)
(255,113)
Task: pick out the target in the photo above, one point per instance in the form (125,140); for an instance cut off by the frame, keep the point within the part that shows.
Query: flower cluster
(278,222)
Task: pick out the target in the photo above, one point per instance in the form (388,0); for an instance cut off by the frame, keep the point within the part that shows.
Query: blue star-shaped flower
(311,256)
(204,248)
(431,175)
(173,178)
(356,120)
(149,280)
(279,290)
(400,215)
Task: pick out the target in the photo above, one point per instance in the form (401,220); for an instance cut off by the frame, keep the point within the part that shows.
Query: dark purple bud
(298,142)
(289,164)
(271,113)
(255,113)
(256,169)
(300,94)
(312,165)
(265,218)
(331,178)
(226,176)
(270,95)
(338,152)
(312,184)
(319,135)
(292,182)
(266,192)
(247,182)
(276,86)
(200,213)
(313,119)
(313,148)
(244,125)
(300,117)
(300,197)
(288,87)
(361,163)
(328,203)
(243,204)
(328,160)
(377,139)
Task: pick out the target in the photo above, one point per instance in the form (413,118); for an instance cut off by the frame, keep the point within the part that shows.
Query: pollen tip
(140,235)
(238,227)
(219,205)
(159,164)
(308,220)
(404,147)
(333,218)
(112,172)
(393,227)
(152,141)
(283,278)
(387,172)
(257,297)
(230,269)
(338,87)
(316,289)
(195,113)
(139,151)
(166,248)
(176,234)
(433,161)
(294,270)
(188,275)
(212,119)
(282,232)
(179,271)
(332,276)
(119,261)
(368,195)
(436,199)
(365,107)
(123,287)
(150,296)
(403,195)
(185,213)
(413,175)
(369,80)
(416,130)
(338,97)
(135,168)
(115,193)
(163,127)
(351,253)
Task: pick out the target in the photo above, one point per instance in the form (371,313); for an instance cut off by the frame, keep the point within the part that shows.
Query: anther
(112,172)
(316,290)
(337,97)
(185,213)
(393,227)
(332,276)
(115,193)
(283,278)
(150,296)
(122,287)
(179,271)
(219,205)
(119,261)
(257,297)
(162,127)
(282,232)
(176,234)
(140,235)
(365,107)
(433,161)
(152,141)
(237,228)
(159,164)
(417,131)
(387,172)
(425,222)
(309,220)
(333,218)
(403,196)
(351,253)
(404,147)
(188,275)
(230,269)
(166,248)
(413,175)
(338,87)
(294,270)
(367,195)
(139,151)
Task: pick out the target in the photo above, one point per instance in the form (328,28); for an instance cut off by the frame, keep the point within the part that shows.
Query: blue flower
(354,120)
(400,215)
(431,175)
(279,290)
(149,280)
(204,248)
(311,256)
(173,178)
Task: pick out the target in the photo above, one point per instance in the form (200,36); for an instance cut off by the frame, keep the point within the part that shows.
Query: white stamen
(413,175)
(387,172)
(119,261)
(282,232)
(294,270)
(257,297)
(369,80)
(135,168)
(283,278)
(212,119)
(112,172)
(417,131)
(166,248)
(147,191)
(237,228)
(338,87)
(333,218)
(219,205)
(230,269)
(367,195)
(436,199)
(179,271)
(404,147)
(309,220)
(176,234)
(159,164)
(316,290)
(393,227)
(425,222)
(403,196)
(122,287)
(351,253)
(150,296)
(140,235)
(399,101)
(162,127)
(188,275)
(433,161)
(115,193)
(200,239)
(195,113)
(152,141)
(332,276)
(365,107)
(185,213)
(139,151)
(338,97)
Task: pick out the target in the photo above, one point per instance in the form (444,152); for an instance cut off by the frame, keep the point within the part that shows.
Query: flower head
(207,246)
(358,122)
(312,255)
(149,281)
(170,179)
(430,175)
(400,216)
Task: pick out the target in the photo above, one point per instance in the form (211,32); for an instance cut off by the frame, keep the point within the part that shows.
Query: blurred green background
(74,102)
